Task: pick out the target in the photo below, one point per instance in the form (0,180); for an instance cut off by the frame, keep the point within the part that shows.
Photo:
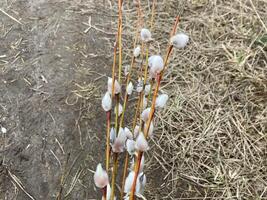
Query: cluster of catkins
(134,141)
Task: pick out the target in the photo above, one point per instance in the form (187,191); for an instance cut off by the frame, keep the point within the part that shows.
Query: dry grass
(211,140)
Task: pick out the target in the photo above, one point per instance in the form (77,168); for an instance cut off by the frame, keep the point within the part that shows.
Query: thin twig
(108,114)
(19,184)
(11,17)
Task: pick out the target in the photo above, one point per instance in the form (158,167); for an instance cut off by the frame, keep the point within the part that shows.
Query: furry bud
(121,135)
(157,64)
(106,102)
(130,146)
(180,40)
(100,177)
(140,84)
(142,164)
(140,184)
(145,114)
(137,51)
(120,110)
(141,143)
(147,89)
(119,143)
(150,59)
(117,87)
(129,88)
(3,130)
(145,35)
(112,135)
(141,179)
(152,74)
(129,182)
(128,133)
(161,100)
(136,131)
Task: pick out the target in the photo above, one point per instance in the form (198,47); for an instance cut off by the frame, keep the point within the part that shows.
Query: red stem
(104,191)
(108,114)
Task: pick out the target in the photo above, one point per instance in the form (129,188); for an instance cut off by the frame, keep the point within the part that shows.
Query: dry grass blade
(11,17)
(16,180)
(73,182)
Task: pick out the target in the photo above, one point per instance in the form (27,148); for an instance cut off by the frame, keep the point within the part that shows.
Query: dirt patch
(52,66)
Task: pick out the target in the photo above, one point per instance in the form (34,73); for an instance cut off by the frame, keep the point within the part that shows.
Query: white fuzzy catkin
(139,187)
(129,88)
(121,135)
(130,146)
(3,130)
(151,129)
(147,89)
(145,35)
(132,163)
(128,133)
(129,182)
(140,84)
(141,184)
(136,131)
(112,135)
(100,177)
(139,89)
(152,74)
(150,59)
(141,143)
(142,164)
(120,109)
(117,87)
(119,143)
(118,146)
(106,102)
(137,51)
(157,64)
(161,100)
(145,114)
(180,40)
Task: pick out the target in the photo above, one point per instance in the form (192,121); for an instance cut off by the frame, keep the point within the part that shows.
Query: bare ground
(52,67)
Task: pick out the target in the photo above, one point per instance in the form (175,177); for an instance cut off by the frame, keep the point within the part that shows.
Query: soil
(52,70)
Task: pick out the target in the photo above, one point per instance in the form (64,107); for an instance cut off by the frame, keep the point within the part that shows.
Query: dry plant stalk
(121,139)
(117,98)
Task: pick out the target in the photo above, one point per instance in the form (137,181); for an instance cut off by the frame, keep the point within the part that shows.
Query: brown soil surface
(52,67)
